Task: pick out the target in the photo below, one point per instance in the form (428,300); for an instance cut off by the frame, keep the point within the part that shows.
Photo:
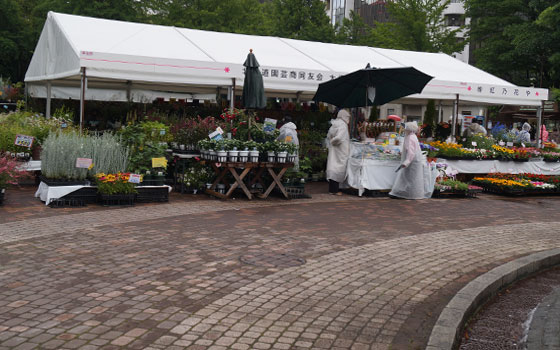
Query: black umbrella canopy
(372,86)
(253,86)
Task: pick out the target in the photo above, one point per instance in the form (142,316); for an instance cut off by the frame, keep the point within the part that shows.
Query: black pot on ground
(2,193)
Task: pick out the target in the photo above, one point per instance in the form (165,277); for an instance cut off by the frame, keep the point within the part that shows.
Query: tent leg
(48,107)
(83,88)
(539,125)
(440,112)
(455,116)
(232,99)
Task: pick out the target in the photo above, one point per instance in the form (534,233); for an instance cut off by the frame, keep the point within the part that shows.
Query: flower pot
(222,156)
(182,147)
(254,156)
(212,155)
(233,156)
(159,180)
(281,157)
(291,158)
(271,156)
(243,156)
(221,188)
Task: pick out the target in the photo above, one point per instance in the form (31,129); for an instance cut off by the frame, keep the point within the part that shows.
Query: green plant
(197,176)
(60,151)
(305,165)
(114,184)
(9,172)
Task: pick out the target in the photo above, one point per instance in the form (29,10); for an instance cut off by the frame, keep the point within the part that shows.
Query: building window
(337,11)
(454,20)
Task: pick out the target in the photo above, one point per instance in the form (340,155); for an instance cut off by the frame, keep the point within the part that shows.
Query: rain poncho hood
(524,135)
(339,147)
(288,134)
(417,179)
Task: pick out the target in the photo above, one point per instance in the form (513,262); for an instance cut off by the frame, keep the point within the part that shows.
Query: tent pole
(48,107)
(82,98)
(455,116)
(232,100)
(539,124)
(440,112)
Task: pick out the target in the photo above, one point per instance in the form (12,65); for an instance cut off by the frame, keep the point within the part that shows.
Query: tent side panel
(54,56)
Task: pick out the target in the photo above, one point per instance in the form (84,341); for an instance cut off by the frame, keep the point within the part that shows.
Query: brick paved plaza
(196,273)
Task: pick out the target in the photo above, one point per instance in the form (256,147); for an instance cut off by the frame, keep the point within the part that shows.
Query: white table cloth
(498,166)
(371,174)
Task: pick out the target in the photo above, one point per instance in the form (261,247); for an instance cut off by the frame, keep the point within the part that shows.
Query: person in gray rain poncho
(415,178)
(524,135)
(339,151)
(288,134)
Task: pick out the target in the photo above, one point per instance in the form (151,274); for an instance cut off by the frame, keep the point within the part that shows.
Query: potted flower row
(247,151)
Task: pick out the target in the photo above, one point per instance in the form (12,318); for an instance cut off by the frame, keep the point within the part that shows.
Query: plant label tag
(162,132)
(134,178)
(269,125)
(523,145)
(510,144)
(24,141)
(63,125)
(474,143)
(216,135)
(159,162)
(501,143)
(84,163)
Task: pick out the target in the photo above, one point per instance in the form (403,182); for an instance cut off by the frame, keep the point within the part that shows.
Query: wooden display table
(222,169)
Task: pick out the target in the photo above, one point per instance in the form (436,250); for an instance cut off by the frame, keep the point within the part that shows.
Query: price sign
(134,178)
(24,141)
(84,163)
(501,143)
(159,162)
(510,144)
(474,143)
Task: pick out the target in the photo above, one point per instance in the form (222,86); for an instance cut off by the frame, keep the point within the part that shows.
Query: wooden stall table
(222,169)
(276,177)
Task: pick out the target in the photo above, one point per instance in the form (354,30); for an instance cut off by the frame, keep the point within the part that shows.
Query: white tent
(138,62)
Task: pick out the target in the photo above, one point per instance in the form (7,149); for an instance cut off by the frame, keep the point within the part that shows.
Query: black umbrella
(371,86)
(253,87)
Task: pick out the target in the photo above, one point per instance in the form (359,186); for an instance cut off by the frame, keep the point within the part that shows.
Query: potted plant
(270,147)
(9,174)
(281,152)
(253,148)
(114,189)
(233,152)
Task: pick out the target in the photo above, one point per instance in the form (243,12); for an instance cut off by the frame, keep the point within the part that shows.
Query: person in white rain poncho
(288,134)
(524,135)
(415,177)
(339,151)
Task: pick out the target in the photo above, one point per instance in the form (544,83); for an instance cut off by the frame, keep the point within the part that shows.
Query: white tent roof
(150,60)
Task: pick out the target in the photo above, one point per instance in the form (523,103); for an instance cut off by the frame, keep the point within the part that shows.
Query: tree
(353,31)
(12,35)
(416,25)
(512,43)
(300,19)
(429,119)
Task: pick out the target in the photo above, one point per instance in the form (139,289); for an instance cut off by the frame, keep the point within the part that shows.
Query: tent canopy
(132,61)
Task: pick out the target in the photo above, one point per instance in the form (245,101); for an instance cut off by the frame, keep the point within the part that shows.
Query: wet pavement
(525,315)
(322,273)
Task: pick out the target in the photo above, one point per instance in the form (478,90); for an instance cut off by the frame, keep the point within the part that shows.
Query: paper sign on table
(134,178)
(24,141)
(84,163)
(269,125)
(474,143)
(501,143)
(159,162)
(510,144)
(216,135)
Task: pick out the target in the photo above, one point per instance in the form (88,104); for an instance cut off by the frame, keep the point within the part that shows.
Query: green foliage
(60,151)
(482,142)
(519,39)
(452,185)
(114,184)
(197,176)
(429,119)
(143,143)
(416,25)
(300,19)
